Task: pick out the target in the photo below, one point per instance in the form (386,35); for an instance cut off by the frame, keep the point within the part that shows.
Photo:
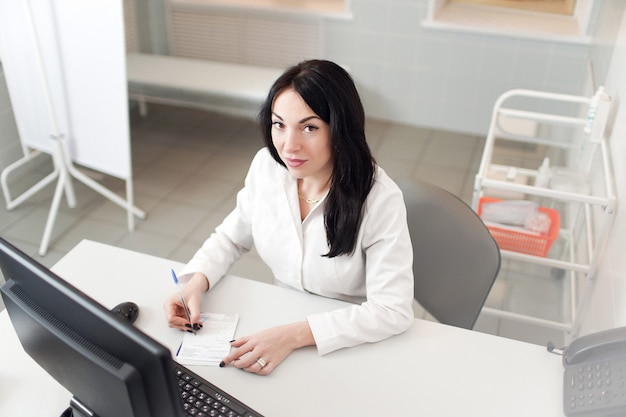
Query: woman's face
(301,138)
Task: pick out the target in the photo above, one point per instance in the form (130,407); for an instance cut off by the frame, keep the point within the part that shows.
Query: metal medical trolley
(567,171)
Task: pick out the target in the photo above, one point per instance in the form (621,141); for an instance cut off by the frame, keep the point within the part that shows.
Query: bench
(218,86)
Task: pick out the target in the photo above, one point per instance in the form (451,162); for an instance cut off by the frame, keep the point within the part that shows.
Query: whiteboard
(64,63)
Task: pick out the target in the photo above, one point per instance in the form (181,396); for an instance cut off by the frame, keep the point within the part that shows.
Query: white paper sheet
(211,343)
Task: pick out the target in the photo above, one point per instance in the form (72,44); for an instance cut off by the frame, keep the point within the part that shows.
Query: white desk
(431,370)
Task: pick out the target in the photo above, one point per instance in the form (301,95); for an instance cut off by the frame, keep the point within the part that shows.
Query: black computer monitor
(111,368)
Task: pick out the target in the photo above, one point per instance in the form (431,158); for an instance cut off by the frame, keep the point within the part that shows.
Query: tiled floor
(188,166)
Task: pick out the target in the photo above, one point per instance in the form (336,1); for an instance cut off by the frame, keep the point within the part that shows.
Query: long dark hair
(330,92)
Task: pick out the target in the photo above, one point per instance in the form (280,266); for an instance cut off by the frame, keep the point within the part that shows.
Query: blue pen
(182,298)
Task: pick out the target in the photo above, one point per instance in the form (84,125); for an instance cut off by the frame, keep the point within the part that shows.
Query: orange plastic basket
(529,243)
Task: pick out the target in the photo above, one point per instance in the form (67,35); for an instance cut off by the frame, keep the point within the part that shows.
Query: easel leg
(12,203)
(143,107)
(69,194)
(54,209)
(130,206)
(66,172)
(125,204)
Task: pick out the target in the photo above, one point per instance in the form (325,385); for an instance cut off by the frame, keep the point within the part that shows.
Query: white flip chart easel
(64,62)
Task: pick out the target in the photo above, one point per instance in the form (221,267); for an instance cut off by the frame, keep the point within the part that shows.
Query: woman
(322,215)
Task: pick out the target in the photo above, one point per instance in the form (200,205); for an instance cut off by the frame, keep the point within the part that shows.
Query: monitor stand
(77,409)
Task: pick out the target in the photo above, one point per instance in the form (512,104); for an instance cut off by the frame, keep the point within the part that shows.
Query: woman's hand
(264,351)
(173,306)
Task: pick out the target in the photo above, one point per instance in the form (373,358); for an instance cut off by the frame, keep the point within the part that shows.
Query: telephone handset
(594,380)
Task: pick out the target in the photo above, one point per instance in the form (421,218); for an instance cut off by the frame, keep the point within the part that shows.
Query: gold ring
(261,362)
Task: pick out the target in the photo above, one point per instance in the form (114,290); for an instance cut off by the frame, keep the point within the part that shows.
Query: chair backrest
(456,260)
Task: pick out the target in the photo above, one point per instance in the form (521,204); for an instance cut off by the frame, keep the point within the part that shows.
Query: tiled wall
(443,79)
(606,24)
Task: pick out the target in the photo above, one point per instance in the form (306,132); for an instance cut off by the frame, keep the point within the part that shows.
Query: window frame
(505,21)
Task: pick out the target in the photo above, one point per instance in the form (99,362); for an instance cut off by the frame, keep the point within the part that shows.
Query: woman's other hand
(262,352)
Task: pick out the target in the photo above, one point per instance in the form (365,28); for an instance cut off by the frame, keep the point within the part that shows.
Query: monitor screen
(111,368)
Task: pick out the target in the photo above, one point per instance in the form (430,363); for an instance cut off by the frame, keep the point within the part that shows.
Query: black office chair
(455,258)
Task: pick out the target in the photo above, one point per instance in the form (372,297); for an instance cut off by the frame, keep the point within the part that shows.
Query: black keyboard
(200,398)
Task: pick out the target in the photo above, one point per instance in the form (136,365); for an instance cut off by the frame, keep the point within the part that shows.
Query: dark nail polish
(196,327)
(232,341)
(222,364)
(189,331)
(188,326)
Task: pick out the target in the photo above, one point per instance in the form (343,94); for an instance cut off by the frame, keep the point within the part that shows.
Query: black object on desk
(127,311)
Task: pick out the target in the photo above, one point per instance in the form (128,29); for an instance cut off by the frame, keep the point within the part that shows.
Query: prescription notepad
(211,343)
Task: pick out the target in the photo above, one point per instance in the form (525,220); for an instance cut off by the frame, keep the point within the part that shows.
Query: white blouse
(377,277)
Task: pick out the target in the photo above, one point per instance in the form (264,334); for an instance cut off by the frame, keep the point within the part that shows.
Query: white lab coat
(377,277)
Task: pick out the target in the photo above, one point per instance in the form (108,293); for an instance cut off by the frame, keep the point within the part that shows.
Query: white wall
(608,303)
